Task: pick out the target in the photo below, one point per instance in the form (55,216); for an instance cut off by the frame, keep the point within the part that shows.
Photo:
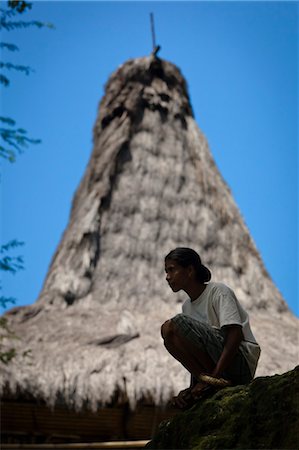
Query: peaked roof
(151,185)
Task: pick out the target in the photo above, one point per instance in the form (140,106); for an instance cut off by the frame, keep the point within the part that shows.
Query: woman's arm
(233,339)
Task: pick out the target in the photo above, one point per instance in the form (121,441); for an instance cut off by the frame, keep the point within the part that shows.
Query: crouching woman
(212,337)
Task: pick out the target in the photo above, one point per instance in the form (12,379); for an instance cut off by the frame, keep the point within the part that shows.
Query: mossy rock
(261,415)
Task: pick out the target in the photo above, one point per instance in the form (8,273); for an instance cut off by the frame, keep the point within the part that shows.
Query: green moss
(261,415)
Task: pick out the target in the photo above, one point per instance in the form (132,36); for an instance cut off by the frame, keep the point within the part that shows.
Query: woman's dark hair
(185,257)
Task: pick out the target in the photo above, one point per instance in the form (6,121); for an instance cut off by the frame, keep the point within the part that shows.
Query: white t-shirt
(218,306)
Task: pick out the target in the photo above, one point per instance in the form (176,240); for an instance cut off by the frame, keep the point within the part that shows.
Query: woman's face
(177,276)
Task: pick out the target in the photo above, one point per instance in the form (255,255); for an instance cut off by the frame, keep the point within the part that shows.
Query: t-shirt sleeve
(226,308)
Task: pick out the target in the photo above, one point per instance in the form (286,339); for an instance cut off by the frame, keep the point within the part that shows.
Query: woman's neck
(194,291)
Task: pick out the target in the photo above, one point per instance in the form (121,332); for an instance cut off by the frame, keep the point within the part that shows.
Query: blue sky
(240,62)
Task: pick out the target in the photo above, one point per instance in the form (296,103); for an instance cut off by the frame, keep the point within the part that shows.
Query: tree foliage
(13,138)
(11,264)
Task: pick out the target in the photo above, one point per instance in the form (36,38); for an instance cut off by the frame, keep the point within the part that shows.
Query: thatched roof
(151,185)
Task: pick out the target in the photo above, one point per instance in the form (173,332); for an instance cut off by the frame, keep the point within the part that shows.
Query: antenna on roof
(156,48)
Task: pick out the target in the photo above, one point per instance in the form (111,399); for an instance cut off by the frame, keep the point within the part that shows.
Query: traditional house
(97,368)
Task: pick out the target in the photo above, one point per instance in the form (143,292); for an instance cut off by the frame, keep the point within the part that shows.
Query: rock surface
(261,415)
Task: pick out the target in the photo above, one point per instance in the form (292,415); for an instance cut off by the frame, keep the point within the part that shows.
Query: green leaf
(19,68)
(7,120)
(10,245)
(11,263)
(12,25)
(9,46)
(6,300)
(14,140)
(7,356)
(4,80)
(19,5)
(7,154)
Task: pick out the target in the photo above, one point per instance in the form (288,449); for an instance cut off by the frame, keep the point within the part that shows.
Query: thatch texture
(151,185)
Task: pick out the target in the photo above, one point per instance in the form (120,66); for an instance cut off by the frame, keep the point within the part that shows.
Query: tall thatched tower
(151,185)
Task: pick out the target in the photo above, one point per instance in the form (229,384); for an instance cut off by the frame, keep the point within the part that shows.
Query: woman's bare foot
(183,399)
(199,389)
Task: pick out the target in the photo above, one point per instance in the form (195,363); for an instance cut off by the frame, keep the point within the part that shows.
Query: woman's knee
(167,330)
(164,329)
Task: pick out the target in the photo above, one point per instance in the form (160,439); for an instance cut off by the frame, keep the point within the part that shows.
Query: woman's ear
(191,271)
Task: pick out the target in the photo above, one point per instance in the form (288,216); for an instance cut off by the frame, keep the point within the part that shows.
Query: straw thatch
(151,185)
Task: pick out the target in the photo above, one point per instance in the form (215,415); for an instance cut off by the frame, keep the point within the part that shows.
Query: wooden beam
(78,446)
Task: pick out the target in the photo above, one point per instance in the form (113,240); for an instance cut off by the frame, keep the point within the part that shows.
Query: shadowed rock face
(262,415)
(151,185)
